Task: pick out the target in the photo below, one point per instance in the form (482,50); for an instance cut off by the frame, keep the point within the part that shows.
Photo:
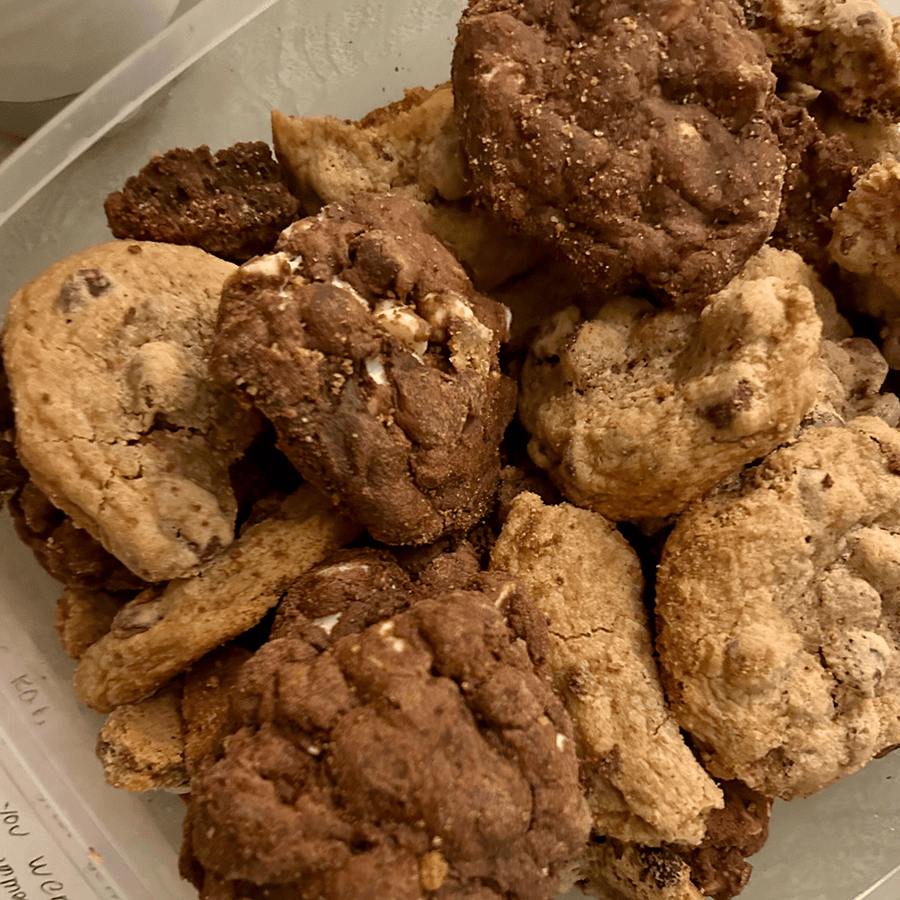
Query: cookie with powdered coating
(642,782)
(633,139)
(365,344)
(117,420)
(639,411)
(778,634)
(850,51)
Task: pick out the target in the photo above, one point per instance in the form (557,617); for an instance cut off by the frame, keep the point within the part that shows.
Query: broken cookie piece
(638,411)
(851,51)
(422,755)
(776,600)
(642,782)
(117,420)
(232,204)
(141,745)
(163,631)
(718,868)
(364,343)
(633,140)
(409,149)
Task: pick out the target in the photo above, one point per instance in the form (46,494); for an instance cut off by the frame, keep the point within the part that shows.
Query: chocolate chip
(722,414)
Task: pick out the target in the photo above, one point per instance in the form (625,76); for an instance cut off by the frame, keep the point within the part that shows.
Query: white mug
(53,48)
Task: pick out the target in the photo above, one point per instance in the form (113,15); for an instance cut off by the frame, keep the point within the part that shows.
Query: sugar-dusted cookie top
(633,138)
(117,420)
(777,606)
(639,411)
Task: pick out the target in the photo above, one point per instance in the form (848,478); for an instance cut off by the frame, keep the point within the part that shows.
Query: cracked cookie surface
(117,420)
(778,608)
(642,782)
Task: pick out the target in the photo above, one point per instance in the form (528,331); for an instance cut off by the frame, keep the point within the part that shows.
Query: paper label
(40,858)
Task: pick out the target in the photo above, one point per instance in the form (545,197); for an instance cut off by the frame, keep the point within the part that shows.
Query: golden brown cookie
(642,782)
(117,420)
(409,149)
(777,606)
(161,632)
(141,745)
(638,411)
(850,51)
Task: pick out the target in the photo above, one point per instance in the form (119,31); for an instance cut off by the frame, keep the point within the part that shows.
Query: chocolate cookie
(779,628)
(231,203)
(639,411)
(821,172)
(117,421)
(364,343)
(634,139)
(424,754)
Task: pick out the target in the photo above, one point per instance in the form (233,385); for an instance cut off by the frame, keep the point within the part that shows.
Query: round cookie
(401,744)
(634,139)
(639,411)
(363,341)
(116,418)
(777,602)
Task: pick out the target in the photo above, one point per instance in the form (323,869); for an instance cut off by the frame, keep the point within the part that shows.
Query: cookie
(231,203)
(852,373)
(642,782)
(717,868)
(64,550)
(164,630)
(864,243)
(778,630)
(117,420)
(362,340)
(850,51)
(141,745)
(83,616)
(425,753)
(639,411)
(635,141)
(409,149)
(206,704)
(821,171)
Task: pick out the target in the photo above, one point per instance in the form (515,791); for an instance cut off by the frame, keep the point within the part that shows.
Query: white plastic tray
(211,78)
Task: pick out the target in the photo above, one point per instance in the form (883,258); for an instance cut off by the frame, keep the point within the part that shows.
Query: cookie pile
(502,492)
